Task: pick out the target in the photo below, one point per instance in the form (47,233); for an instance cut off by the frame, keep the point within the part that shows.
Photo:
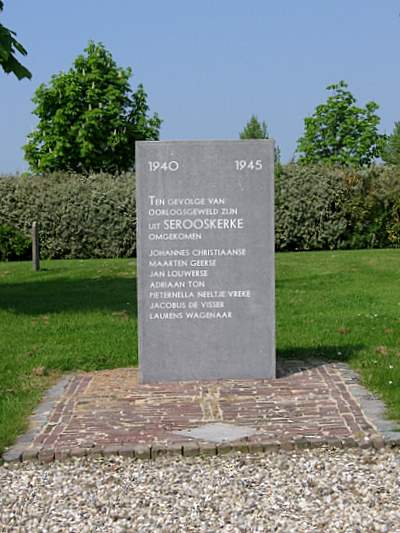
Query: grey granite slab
(206,282)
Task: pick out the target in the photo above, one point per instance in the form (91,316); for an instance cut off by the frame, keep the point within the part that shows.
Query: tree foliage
(89,118)
(258,130)
(254,129)
(391,152)
(339,132)
(9,46)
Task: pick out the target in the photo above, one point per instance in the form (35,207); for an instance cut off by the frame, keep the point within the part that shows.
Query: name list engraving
(180,284)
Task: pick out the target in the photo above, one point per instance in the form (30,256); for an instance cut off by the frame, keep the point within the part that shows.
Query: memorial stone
(206,283)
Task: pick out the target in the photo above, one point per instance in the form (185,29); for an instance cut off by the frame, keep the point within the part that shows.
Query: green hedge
(78,217)
(325,207)
(309,208)
(317,208)
(14,245)
(373,209)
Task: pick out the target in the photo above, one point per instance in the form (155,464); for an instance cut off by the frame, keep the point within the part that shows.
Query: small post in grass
(35,248)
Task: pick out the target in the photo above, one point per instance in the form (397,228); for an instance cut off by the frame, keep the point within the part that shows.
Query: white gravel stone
(303,491)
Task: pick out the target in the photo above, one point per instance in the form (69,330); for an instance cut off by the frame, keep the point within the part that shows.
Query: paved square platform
(310,404)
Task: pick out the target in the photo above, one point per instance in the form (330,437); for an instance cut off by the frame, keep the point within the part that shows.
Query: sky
(208,65)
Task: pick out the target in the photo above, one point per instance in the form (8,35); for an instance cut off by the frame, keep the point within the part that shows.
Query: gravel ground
(310,490)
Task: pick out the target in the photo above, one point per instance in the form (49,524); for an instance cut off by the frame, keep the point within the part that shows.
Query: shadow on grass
(66,295)
(293,360)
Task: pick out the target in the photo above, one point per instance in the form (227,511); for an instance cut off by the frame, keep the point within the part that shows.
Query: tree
(89,118)
(254,129)
(391,152)
(9,46)
(339,132)
(257,130)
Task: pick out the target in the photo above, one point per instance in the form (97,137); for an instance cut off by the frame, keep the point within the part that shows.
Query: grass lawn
(82,315)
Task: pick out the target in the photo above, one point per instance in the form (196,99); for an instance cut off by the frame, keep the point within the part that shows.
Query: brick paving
(107,412)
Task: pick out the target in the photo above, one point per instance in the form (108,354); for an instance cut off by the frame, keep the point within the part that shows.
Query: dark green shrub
(309,212)
(373,208)
(13,244)
(326,207)
(78,217)
(393,228)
